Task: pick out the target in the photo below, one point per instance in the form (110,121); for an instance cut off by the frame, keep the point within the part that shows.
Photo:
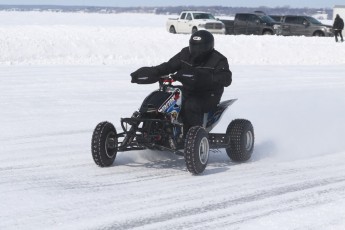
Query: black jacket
(213,74)
(338,23)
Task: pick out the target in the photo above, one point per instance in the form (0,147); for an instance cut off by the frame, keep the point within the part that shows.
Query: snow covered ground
(61,74)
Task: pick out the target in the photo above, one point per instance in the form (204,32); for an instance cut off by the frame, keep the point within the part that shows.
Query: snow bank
(28,38)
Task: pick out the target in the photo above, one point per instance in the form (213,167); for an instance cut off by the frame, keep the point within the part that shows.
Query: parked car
(192,21)
(302,25)
(277,18)
(256,23)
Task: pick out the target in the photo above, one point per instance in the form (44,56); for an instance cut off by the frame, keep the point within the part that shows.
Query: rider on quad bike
(203,72)
(157,124)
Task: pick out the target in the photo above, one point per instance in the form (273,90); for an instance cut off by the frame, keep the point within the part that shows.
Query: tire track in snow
(225,205)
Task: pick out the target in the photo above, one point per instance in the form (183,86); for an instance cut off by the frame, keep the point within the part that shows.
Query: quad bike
(158,126)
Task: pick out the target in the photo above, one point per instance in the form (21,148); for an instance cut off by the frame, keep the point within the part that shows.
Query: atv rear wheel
(241,134)
(196,150)
(104,144)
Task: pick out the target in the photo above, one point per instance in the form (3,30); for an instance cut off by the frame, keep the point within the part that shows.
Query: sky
(234,3)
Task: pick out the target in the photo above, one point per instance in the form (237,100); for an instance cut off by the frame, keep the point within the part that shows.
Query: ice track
(295,180)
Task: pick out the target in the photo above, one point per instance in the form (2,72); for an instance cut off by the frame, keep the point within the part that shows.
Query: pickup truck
(256,23)
(303,25)
(192,21)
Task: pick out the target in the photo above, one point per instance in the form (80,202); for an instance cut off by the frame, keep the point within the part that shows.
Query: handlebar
(166,79)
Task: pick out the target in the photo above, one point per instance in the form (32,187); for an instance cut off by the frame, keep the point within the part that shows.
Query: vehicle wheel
(241,134)
(172,30)
(196,150)
(267,32)
(194,30)
(104,144)
(318,34)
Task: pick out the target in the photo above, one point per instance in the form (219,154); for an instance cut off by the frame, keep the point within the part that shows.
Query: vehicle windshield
(313,20)
(266,18)
(203,16)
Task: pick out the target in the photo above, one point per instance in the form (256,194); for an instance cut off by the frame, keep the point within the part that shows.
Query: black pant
(336,33)
(194,107)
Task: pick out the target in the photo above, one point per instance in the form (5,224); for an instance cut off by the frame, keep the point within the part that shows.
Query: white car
(192,21)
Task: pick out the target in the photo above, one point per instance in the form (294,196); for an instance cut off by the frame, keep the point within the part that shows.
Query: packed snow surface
(62,73)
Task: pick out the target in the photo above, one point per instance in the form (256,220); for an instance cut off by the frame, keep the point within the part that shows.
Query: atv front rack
(137,133)
(136,122)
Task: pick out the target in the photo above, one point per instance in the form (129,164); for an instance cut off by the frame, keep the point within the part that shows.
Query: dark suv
(277,18)
(303,25)
(255,23)
(252,23)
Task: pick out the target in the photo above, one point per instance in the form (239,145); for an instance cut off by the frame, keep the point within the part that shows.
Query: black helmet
(201,44)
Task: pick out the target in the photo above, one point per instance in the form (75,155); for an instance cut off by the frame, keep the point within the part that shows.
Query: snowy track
(50,106)
(48,177)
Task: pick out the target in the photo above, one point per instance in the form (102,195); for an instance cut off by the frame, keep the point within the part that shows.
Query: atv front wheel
(241,134)
(104,144)
(196,150)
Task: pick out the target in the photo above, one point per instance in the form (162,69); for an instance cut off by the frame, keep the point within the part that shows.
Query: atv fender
(212,118)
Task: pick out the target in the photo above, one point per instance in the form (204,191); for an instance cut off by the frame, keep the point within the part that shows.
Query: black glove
(194,78)
(145,75)
(186,76)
